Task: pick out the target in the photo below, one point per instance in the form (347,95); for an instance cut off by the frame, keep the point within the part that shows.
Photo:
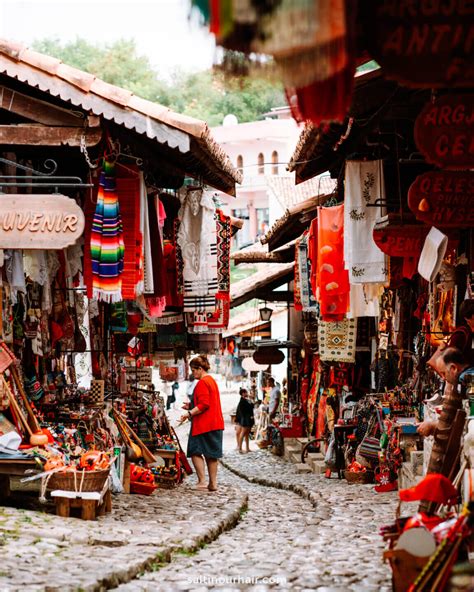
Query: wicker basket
(363,477)
(79,480)
(165,482)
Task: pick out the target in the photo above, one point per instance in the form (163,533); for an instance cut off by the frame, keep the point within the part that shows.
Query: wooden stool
(92,503)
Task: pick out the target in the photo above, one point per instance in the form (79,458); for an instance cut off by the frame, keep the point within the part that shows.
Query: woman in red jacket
(207,424)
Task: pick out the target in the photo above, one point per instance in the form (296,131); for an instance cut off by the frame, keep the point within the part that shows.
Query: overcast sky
(160,28)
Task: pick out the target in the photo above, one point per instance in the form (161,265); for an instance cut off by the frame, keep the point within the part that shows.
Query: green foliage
(205,95)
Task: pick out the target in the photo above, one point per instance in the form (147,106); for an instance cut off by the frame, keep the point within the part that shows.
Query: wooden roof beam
(41,135)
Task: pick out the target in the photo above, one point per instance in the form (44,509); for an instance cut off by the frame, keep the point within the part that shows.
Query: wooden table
(13,468)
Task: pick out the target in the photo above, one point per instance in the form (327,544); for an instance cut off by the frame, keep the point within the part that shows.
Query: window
(261,164)
(263,221)
(241,213)
(274,162)
(240,163)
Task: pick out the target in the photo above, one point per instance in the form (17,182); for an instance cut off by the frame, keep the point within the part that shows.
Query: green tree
(205,95)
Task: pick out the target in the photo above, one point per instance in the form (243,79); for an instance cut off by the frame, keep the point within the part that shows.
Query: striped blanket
(107,246)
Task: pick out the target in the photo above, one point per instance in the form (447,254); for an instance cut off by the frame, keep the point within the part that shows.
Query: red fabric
(207,399)
(333,279)
(433,488)
(328,100)
(172,296)
(313,254)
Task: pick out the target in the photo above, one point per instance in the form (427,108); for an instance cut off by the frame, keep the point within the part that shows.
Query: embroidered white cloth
(364,300)
(363,259)
(146,286)
(197,239)
(15,272)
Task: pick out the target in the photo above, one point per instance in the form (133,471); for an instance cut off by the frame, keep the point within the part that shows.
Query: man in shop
(275,396)
(454,369)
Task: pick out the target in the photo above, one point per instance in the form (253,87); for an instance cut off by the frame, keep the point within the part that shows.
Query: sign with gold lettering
(444,132)
(51,221)
(422,43)
(443,198)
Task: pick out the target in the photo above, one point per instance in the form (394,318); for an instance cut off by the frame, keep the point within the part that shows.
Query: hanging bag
(369,448)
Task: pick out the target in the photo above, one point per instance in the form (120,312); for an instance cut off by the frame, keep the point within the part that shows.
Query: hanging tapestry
(128,189)
(332,278)
(107,246)
(313,397)
(296,282)
(337,340)
(146,284)
(224,235)
(308,300)
(207,322)
(198,243)
(313,255)
(173,297)
(364,187)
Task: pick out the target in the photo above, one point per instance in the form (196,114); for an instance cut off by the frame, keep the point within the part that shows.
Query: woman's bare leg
(198,462)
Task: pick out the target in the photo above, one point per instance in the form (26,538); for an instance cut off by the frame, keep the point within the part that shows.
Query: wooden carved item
(447,439)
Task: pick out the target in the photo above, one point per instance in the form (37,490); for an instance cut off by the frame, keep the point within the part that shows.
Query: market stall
(104,196)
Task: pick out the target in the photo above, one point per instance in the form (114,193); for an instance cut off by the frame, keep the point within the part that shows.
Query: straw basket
(365,477)
(79,480)
(163,482)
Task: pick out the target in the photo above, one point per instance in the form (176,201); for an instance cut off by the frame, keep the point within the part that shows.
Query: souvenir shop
(383,280)
(114,263)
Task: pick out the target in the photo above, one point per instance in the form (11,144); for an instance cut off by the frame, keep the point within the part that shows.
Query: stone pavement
(267,527)
(300,533)
(42,552)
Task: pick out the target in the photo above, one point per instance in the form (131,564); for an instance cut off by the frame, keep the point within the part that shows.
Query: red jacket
(206,397)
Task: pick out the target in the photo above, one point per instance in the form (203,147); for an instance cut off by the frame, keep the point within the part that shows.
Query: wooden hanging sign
(50,221)
(423,44)
(443,198)
(444,132)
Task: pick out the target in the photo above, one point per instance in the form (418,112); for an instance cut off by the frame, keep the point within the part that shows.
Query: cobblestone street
(267,527)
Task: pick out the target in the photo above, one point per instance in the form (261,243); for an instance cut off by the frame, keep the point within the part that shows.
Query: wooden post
(126,476)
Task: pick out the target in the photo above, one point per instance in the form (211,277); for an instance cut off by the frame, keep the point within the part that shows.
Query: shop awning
(248,324)
(187,139)
(322,148)
(260,284)
(293,222)
(258,253)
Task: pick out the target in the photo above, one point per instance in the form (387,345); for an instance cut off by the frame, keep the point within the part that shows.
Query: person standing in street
(245,420)
(207,424)
(275,396)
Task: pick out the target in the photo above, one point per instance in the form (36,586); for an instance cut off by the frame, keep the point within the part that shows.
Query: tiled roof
(288,194)
(115,104)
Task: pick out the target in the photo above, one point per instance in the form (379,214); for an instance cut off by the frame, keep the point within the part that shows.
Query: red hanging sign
(443,198)
(444,132)
(423,44)
(401,240)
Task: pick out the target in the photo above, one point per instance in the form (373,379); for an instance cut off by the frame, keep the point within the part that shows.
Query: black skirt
(208,444)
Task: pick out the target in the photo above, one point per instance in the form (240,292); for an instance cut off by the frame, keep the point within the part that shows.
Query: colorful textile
(197,239)
(365,186)
(128,190)
(106,243)
(297,283)
(308,300)
(224,235)
(156,301)
(337,340)
(313,254)
(332,278)
(313,398)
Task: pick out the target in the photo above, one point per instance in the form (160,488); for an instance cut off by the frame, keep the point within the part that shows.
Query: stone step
(319,467)
(302,468)
(407,477)
(295,457)
(302,441)
(290,441)
(289,450)
(416,459)
(315,456)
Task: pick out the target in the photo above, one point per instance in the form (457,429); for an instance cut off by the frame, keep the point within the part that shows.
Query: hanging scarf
(156,301)
(365,185)
(198,244)
(333,279)
(308,300)
(337,340)
(107,246)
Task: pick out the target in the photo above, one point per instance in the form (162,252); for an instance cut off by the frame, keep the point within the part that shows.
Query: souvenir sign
(444,132)
(39,221)
(422,44)
(443,198)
